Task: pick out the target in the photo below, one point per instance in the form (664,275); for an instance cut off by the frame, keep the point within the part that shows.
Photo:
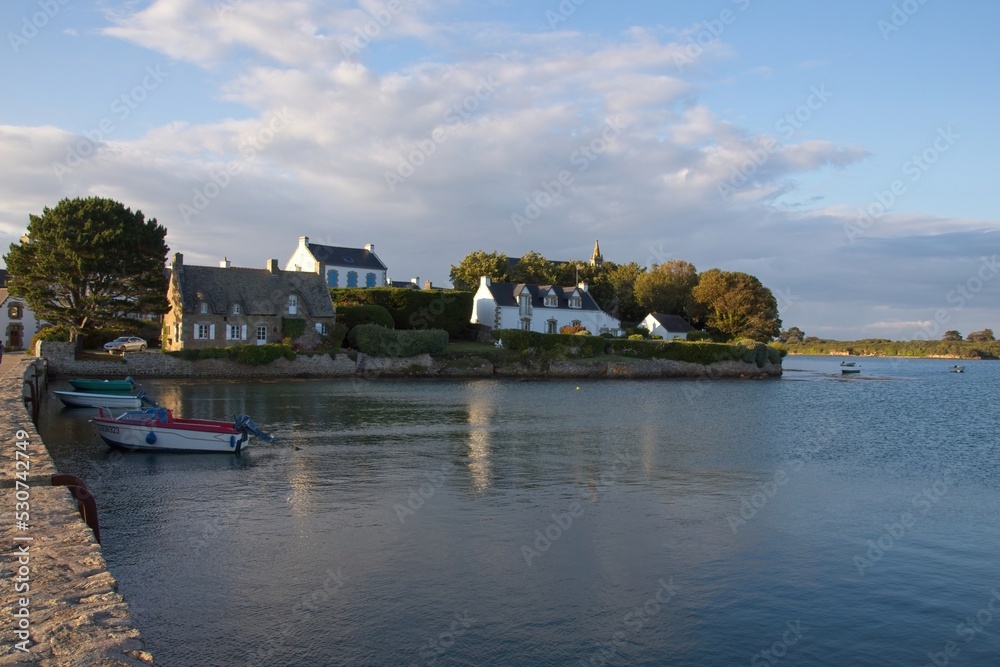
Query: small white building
(340,267)
(541,308)
(667,326)
(17,323)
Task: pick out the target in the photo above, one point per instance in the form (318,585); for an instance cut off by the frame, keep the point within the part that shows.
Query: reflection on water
(503,522)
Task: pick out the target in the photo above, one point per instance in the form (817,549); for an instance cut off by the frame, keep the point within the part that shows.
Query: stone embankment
(62,361)
(61,606)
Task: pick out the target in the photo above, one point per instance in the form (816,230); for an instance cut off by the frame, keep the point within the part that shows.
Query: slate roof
(258,291)
(505,294)
(338,256)
(674,323)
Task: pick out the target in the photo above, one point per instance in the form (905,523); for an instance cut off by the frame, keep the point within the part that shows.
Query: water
(827,520)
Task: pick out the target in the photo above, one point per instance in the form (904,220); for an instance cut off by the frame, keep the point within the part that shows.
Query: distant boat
(851,371)
(104,386)
(847,363)
(957,369)
(158,429)
(82,399)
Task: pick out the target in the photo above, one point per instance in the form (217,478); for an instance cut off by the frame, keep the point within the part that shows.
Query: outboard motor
(144,399)
(245,424)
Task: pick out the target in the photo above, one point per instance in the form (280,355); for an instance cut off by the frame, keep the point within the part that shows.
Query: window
(204,331)
(575,302)
(352,278)
(15,311)
(321,328)
(203,309)
(526,324)
(370,280)
(332,278)
(177,331)
(236,309)
(551,301)
(261,334)
(293,305)
(235,332)
(550,327)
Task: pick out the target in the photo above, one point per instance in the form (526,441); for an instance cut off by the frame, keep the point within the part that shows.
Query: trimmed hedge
(382,342)
(413,309)
(570,344)
(254,355)
(697,352)
(353,316)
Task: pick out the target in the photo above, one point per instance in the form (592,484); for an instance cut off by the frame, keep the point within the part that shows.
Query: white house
(340,267)
(667,326)
(541,308)
(17,323)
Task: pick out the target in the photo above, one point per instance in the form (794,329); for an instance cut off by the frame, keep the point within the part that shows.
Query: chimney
(303,241)
(583,286)
(177,261)
(370,247)
(428,285)
(272,265)
(415,281)
(485,281)
(224,264)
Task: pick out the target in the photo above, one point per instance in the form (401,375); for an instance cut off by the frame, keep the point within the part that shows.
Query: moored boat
(82,399)
(957,369)
(104,386)
(158,429)
(847,363)
(849,371)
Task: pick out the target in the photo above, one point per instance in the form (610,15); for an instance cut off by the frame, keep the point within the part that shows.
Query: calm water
(822,519)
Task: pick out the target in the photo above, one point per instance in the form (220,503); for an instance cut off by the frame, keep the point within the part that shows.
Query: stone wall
(61,360)
(59,600)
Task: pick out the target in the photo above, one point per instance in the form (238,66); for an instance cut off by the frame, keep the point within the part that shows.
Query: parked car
(125,344)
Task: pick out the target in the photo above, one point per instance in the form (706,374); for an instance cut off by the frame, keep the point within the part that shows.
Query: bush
(697,353)
(382,342)
(414,309)
(353,316)
(292,327)
(572,329)
(553,344)
(337,335)
(636,337)
(254,355)
(694,336)
(56,333)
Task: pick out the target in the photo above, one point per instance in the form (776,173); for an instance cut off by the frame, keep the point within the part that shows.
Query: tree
(476,264)
(984,336)
(668,288)
(532,268)
(792,335)
(952,336)
(737,305)
(88,263)
(621,280)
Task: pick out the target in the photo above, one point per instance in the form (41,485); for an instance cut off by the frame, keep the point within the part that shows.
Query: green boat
(104,386)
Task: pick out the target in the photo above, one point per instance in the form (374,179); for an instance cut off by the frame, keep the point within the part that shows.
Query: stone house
(339,267)
(541,308)
(224,306)
(17,323)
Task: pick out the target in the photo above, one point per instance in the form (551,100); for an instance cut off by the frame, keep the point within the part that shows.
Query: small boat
(847,363)
(957,369)
(157,429)
(83,399)
(849,371)
(104,386)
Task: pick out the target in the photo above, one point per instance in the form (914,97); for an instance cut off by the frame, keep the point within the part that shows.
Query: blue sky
(244,124)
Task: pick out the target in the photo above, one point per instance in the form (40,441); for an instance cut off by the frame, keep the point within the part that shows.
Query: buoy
(578,389)
(150,438)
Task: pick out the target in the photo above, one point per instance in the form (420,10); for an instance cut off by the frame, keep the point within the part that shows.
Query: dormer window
(236,309)
(575,302)
(551,301)
(293,305)
(203,308)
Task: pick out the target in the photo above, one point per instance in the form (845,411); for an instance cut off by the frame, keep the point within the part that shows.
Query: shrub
(694,336)
(698,353)
(414,309)
(56,333)
(353,316)
(292,327)
(552,344)
(254,355)
(382,342)
(337,335)
(572,329)
(636,337)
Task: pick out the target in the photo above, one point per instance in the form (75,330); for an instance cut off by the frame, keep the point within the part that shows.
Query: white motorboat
(84,399)
(158,429)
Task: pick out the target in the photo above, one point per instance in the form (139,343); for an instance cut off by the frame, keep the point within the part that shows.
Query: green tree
(953,336)
(737,305)
(89,263)
(669,289)
(621,280)
(792,335)
(477,264)
(532,268)
(984,336)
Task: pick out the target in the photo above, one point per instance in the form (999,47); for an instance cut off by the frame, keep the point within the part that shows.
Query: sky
(844,153)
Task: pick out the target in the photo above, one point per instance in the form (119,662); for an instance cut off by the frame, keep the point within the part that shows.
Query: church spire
(596,259)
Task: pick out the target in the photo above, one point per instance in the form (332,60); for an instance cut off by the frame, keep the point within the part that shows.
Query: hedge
(353,316)
(292,327)
(697,352)
(254,355)
(573,344)
(450,310)
(382,342)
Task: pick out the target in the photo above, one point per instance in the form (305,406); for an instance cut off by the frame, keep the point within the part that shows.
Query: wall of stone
(60,603)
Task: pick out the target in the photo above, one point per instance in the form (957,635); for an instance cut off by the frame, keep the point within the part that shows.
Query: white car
(125,344)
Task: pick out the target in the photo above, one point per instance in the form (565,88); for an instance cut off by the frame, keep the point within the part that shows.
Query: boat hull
(102,386)
(157,437)
(79,399)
